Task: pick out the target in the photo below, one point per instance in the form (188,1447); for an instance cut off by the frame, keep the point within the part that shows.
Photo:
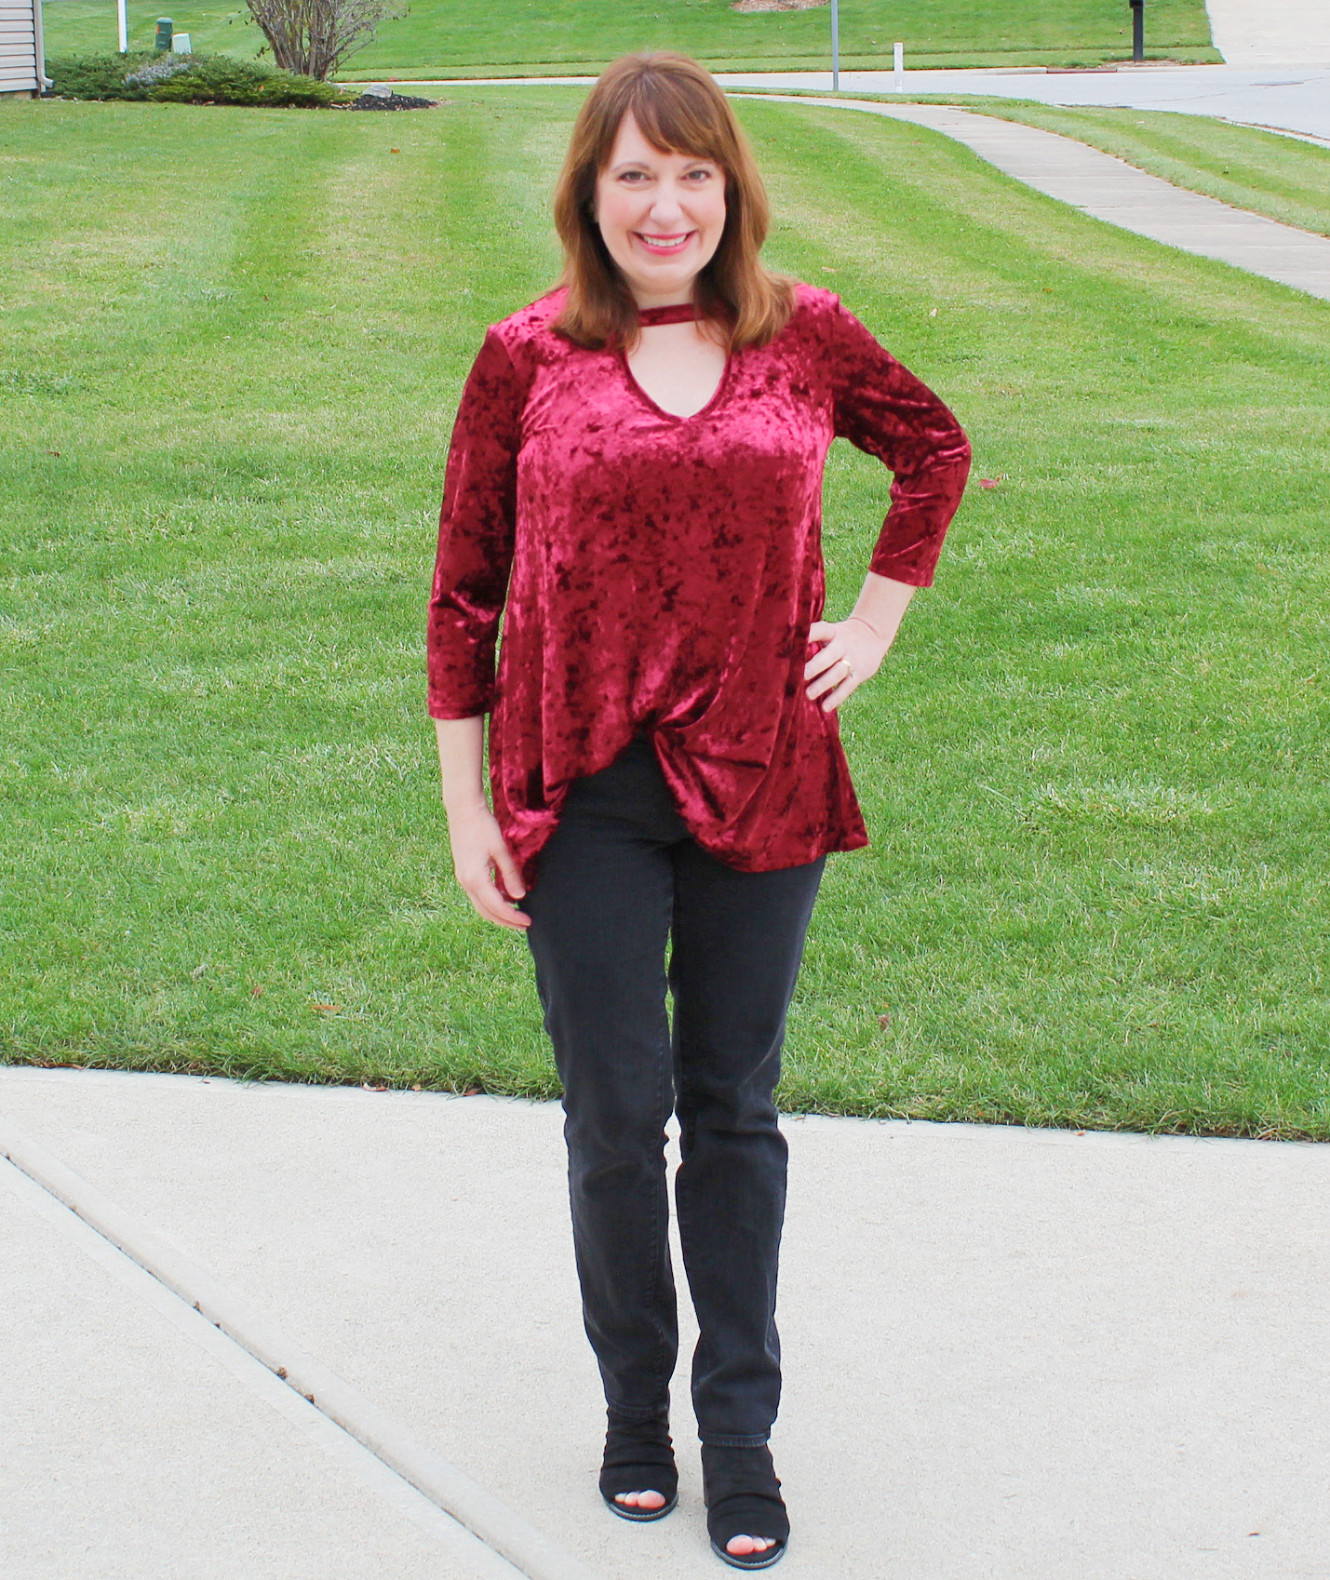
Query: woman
(636,472)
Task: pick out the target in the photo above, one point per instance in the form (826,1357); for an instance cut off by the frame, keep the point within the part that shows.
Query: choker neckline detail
(676,313)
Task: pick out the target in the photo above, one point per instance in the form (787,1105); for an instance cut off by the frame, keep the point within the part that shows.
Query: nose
(666,207)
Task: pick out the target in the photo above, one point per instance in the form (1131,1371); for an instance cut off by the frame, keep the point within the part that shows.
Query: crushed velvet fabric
(658,574)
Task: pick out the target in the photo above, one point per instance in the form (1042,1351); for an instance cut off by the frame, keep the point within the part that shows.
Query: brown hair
(679,109)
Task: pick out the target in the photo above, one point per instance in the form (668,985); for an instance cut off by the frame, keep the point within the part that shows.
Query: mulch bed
(390,101)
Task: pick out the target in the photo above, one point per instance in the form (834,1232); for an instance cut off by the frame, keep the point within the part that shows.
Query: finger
(490,903)
(835,674)
(837,682)
(495,908)
(510,877)
(825,678)
(822,660)
(821,631)
(842,693)
(821,685)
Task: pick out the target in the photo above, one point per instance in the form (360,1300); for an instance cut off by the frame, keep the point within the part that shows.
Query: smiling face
(660,215)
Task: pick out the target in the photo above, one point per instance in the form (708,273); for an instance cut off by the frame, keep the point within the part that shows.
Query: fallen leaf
(989,482)
(827,269)
(394,150)
(199,969)
(326,1009)
(416,1087)
(53,452)
(932,312)
(471,1091)
(256,991)
(884,1021)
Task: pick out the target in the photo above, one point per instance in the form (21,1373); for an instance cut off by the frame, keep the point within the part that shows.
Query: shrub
(186,79)
(160,69)
(226,81)
(316,36)
(97,76)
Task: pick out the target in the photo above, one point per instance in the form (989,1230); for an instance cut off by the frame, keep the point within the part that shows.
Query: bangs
(676,116)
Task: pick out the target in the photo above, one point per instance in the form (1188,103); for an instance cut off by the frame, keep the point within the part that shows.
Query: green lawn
(1095,768)
(521,37)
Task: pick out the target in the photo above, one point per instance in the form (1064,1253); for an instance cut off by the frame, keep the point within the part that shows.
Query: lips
(664,245)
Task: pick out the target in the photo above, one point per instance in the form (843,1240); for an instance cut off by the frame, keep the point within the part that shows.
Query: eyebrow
(638,164)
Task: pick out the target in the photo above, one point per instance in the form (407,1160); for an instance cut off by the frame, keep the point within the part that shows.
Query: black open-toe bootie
(742,1494)
(639,1457)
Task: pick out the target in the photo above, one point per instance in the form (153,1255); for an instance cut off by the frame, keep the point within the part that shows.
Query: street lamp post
(122,22)
(1137,29)
(835,46)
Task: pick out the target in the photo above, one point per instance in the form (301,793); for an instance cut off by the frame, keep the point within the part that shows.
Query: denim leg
(738,941)
(600,910)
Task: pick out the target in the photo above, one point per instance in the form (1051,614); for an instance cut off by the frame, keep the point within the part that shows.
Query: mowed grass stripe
(532,37)
(1094,768)
(1080,572)
(293,410)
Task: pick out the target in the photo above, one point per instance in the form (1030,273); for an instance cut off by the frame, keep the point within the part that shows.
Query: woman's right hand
(479,852)
(480,855)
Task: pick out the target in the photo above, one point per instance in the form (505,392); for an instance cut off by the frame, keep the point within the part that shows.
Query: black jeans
(619,878)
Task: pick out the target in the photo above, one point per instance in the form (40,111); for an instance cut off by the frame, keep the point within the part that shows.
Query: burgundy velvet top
(660,573)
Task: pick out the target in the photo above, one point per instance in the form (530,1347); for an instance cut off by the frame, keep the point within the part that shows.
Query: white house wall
(20,33)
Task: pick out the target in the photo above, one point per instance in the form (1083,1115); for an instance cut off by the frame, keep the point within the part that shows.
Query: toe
(641,1500)
(745,1546)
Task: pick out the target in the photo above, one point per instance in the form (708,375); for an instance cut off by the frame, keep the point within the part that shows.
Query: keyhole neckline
(713,400)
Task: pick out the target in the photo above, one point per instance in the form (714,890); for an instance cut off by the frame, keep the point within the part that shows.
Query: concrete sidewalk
(1271,32)
(1291,98)
(1110,189)
(1009,1353)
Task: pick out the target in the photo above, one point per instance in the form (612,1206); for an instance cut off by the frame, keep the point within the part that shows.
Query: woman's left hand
(851,651)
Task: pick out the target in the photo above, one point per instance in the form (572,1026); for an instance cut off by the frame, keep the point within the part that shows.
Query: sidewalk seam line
(350,1456)
(528,1549)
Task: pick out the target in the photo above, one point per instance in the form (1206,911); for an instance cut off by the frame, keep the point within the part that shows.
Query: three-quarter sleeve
(883,409)
(476,527)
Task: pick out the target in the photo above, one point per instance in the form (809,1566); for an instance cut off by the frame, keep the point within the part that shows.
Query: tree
(314,37)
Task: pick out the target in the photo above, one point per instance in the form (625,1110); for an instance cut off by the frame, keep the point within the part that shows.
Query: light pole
(1137,29)
(835,46)
(122,22)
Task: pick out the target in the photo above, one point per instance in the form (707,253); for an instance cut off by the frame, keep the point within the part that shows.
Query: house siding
(21,64)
